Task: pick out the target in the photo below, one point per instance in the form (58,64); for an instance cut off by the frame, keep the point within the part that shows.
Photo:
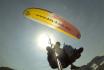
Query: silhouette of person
(66,55)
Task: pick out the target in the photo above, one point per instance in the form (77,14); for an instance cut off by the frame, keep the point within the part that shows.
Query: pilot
(66,55)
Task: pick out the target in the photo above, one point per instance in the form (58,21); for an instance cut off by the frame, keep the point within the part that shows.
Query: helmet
(58,43)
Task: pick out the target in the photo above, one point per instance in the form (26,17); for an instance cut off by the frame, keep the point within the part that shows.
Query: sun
(43,40)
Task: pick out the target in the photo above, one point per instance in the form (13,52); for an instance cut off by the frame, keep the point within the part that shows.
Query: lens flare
(43,40)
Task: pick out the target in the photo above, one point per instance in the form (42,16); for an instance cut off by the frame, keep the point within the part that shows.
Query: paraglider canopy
(52,20)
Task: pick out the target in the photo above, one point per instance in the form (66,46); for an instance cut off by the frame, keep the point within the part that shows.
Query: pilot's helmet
(58,43)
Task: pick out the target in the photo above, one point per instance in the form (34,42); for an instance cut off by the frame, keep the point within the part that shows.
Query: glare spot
(43,40)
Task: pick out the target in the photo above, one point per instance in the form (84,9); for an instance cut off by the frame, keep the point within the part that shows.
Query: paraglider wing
(52,20)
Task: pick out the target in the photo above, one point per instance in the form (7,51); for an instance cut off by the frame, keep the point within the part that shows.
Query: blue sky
(18,35)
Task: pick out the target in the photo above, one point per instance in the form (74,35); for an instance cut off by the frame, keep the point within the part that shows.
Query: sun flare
(43,40)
